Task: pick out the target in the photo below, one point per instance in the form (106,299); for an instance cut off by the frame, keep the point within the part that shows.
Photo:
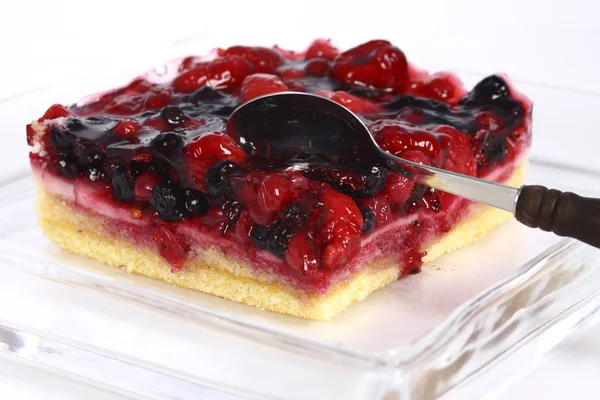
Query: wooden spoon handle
(564,213)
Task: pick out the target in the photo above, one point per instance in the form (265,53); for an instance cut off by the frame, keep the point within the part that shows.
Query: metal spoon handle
(563,213)
(486,192)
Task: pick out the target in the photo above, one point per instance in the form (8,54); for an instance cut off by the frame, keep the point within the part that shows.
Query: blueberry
(374,181)
(259,236)
(403,101)
(62,140)
(67,166)
(165,200)
(122,184)
(98,120)
(172,114)
(195,201)
(364,91)
(486,91)
(206,93)
(217,178)
(169,144)
(368,219)
(75,125)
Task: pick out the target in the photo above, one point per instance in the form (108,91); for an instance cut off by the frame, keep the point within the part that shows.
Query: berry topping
(321,48)
(375,64)
(261,84)
(262,59)
(158,147)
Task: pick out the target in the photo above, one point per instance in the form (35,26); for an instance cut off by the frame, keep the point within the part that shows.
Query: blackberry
(165,200)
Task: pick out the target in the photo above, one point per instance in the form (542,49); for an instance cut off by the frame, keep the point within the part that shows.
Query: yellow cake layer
(212,272)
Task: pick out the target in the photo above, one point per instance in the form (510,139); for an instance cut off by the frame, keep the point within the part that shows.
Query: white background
(553,43)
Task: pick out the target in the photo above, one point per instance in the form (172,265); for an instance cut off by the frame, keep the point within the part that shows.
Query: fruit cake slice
(145,177)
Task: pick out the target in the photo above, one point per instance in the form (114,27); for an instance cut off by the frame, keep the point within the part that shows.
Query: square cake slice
(146,178)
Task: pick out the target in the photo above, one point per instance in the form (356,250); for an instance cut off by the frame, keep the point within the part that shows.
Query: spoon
(298,130)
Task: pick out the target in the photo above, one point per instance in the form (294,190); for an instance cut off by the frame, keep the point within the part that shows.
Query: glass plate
(477,315)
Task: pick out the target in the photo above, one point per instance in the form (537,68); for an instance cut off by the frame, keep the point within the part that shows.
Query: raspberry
(219,74)
(460,156)
(340,224)
(353,103)
(261,84)
(375,64)
(442,86)
(157,98)
(416,156)
(292,74)
(398,188)
(207,149)
(302,254)
(322,48)
(318,67)
(380,207)
(171,247)
(262,59)
(274,192)
(397,137)
(243,229)
(126,128)
(55,111)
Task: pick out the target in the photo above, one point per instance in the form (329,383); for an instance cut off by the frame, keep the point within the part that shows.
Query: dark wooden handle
(564,213)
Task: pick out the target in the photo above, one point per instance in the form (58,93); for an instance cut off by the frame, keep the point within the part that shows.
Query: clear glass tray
(420,337)
(477,315)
